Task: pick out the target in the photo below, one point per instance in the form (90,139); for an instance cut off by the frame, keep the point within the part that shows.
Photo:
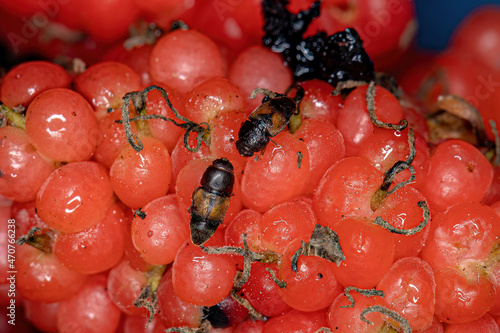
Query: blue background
(438,18)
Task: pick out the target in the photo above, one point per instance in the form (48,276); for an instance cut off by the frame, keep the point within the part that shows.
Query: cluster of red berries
(172,187)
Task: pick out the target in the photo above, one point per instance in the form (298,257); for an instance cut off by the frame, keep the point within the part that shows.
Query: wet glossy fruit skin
(24,82)
(354,121)
(42,278)
(369,252)
(200,278)
(409,289)
(313,287)
(140,177)
(456,160)
(184,59)
(174,311)
(97,249)
(17,153)
(300,179)
(161,232)
(75,197)
(104,84)
(62,125)
(279,175)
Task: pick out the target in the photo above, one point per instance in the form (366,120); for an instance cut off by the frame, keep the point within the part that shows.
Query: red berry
(75,197)
(259,67)
(160,233)
(97,249)
(214,97)
(23,169)
(479,35)
(354,121)
(458,173)
(104,85)
(295,320)
(90,309)
(369,252)
(42,278)
(200,278)
(183,59)
(278,175)
(24,82)
(313,286)
(139,177)
(409,289)
(62,125)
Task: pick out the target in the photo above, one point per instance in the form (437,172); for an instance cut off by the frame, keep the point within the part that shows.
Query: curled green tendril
(246,304)
(370,104)
(398,167)
(280,283)
(403,323)
(139,101)
(408,232)
(364,292)
(248,257)
(406,182)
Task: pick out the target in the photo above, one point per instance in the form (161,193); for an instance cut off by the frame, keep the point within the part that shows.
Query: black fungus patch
(334,59)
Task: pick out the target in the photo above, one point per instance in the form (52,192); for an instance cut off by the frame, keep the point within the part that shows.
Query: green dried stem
(408,232)
(403,323)
(370,104)
(148,297)
(139,101)
(248,257)
(246,304)
(384,189)
(16,119)
(280,283)
(364,292)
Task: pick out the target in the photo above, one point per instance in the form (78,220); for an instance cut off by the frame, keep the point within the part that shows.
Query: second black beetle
(266,121)
(211,200)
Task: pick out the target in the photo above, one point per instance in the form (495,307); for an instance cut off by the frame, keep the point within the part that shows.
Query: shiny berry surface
(75,197)
(248,167)
(62,126)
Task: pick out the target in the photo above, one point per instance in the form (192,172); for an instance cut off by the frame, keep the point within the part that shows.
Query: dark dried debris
(334,59)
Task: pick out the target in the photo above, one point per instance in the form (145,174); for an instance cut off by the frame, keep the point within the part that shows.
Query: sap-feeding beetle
(211,200)
(266,121)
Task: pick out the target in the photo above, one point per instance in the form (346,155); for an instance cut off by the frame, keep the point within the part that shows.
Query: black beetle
(266,121)
(210,201)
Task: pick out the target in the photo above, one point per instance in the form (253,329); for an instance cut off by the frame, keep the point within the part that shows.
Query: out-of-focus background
(438,18)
